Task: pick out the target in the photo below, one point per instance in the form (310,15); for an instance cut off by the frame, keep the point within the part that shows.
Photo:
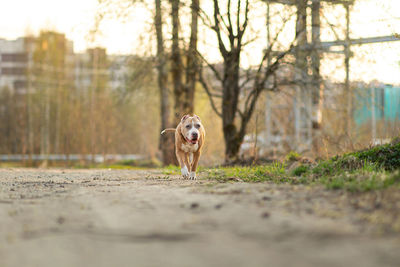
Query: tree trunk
(93,102)
(30,116)
(166,141)
(45,145)
(176,65)
(192,62)
(231,91)
(57,134)
(183,92)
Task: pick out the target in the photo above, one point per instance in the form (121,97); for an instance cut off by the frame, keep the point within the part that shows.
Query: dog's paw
(192,176)
(185,172)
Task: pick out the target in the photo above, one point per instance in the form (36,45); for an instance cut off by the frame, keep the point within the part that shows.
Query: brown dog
(189,139)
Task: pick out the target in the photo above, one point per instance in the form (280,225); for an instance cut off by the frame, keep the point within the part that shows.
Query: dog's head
(191,128)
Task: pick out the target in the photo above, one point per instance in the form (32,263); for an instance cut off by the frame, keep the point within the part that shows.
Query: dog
(189,140)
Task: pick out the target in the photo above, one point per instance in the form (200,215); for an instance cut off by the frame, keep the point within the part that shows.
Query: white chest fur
(188,148)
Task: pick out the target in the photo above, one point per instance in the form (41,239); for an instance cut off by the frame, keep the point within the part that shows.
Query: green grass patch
(275,172)
(292,156)
(361,181)
(171,170)
(384,156)
(369,169)
(114,166)
(119,165)
(301,170)
(366,178)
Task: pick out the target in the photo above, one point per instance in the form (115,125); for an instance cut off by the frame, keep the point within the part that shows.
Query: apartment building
(91,69)
(15,56)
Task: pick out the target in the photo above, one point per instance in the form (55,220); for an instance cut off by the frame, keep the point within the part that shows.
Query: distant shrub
(300,170)
(293,156)
(387,156)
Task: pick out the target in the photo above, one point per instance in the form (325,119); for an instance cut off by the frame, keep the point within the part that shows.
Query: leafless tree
(183,89)
(238,105)
(170,64)
(166,141)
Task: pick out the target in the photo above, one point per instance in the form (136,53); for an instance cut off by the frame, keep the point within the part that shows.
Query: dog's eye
(197,126)
(188,126)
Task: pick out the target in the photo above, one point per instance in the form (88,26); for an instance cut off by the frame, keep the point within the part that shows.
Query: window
(15,57)
(20,84)
(13,71)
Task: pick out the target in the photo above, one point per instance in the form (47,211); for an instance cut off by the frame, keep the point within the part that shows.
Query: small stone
(60,220)
(265,215)
(218,206)
(266,198)
(194,205)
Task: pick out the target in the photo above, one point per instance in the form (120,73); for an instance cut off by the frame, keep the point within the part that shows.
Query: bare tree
(183,89)
(183,75)
(166,141)
(238,104)
(192,61)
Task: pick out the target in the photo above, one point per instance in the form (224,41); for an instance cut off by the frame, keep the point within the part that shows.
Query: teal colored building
(384,102)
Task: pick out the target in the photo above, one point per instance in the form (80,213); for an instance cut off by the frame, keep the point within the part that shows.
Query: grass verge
(375,168)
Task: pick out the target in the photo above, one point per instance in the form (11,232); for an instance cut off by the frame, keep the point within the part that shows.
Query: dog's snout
(195,135)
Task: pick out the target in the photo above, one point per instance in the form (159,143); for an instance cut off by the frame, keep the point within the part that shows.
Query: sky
(76,17)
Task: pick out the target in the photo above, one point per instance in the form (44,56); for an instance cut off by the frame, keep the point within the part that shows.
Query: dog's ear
(197,117)
(184,118)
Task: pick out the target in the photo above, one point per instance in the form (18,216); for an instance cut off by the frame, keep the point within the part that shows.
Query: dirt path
(145,218)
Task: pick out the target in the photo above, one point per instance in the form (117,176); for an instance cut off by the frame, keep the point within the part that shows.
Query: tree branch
(238,18)
(210,66)
(216,28)
(208,91)
(248,76)
(205,18)
(230,29)
(242,29)
(259,85)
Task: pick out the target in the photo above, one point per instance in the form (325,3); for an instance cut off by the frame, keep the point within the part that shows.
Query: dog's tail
(168,130)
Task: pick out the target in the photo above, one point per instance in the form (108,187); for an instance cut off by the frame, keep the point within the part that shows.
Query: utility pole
(302,112)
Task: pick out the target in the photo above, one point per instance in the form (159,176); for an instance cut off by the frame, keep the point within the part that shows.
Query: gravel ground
(144,218)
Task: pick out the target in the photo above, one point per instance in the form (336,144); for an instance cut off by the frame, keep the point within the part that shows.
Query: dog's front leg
(184,163)
(196,157)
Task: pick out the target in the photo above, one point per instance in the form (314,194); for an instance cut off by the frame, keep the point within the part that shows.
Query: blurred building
(118,70)
(377,103)
(15,57)
(17,60)
(90,69)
